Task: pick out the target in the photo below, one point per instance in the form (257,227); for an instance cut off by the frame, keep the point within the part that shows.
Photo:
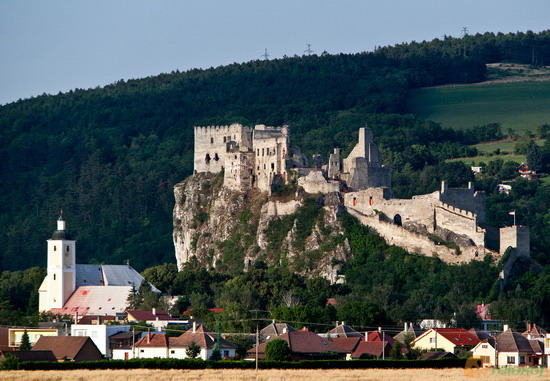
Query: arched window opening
(207,158)
(216,157)
(397,220)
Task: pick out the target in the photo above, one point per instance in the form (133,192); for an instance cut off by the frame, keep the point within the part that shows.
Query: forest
(110,156)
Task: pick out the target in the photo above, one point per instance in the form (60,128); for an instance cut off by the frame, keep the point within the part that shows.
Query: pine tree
(25,342)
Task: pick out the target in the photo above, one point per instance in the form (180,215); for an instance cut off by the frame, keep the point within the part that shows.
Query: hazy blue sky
(49,46)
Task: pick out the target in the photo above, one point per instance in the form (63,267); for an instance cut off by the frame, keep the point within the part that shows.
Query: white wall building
(99,334)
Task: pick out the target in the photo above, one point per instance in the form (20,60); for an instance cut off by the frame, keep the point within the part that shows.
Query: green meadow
(486,159)
(521,106)
(503,145)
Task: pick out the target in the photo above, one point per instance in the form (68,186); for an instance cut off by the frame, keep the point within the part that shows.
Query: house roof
(374,348)
(379,336)
(437,355)
(202,337)
(510,341)
(457,336)
(96,300)
(412,330)
(304,343)
(275,329)
(344,330)
(148,315)
(108,275)
(346,343)
(481,335)
(31,355)
(154,340)
(535,332)
(63,347)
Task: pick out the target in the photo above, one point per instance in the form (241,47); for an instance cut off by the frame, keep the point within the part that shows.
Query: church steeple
(61,221)
(60,233)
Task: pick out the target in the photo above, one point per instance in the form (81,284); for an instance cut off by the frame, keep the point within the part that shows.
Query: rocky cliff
(229,230)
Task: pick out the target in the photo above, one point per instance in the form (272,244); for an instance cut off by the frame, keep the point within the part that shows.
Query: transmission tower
(308,50)
(265,55)
(464,34)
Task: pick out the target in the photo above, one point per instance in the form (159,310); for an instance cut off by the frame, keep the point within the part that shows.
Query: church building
(71,289)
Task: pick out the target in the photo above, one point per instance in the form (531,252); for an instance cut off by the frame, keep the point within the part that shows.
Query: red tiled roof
(379,336)
(66,347)
(202,337)
(346,343)
(304,343)
(371,347)
(457,336)
(148,315)
(155,340)
(215,310)
(535,331)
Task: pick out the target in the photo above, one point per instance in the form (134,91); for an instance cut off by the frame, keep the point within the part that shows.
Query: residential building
(437,355)
(69,348)
(274,329)
(510,349)
(455,340)
(23,356)
(533,331)
(377,349)
(343,330)
(303,345)
(121,344)
(410,330)
(99,334)
(15,335)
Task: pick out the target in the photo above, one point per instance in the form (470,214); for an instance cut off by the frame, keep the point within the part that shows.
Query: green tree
(396,352)
(277,350)
(216,355)
(534,158)
(193,350)
(25,342)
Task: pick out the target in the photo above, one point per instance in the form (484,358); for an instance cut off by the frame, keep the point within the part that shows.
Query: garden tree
(534,158)
(396,352)
(216,355)
(543,131)
(306,315)
(412,353)
(25,342)
(243,344)
(193,350)
(277,350)
(522,147)
(199,304)
(362,314)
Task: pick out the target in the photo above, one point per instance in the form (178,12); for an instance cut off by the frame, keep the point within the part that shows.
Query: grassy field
(522,105)
(503,145)
(486,159)
(269,375)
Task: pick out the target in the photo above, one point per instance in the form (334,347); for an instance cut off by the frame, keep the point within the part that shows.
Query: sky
(52,46)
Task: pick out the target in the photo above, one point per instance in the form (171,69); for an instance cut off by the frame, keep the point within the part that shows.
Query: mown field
(521,106)
(272,375)
(476,160)
(503,145)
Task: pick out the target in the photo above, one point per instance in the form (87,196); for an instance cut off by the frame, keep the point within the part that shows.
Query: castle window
(263,152)
(53,276)
(55,248)
(216,157)
(264,166)
(224,139)
(272,166)
(207,158)
(211,140)
(235,156)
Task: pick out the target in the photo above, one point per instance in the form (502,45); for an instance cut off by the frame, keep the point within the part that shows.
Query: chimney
(505,327)
(366,335)
(337,323)
(194,326)
(379,329)
(406,326)
(148,337)
(529,327)
(154,311)
(284,330)
(272,321)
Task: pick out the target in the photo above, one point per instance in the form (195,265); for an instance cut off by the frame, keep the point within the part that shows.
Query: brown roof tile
(304,343)
(66,347)
(31,355)
(374,348)
(346,343)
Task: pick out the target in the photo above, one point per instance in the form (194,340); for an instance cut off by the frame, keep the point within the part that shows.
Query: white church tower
(60,281)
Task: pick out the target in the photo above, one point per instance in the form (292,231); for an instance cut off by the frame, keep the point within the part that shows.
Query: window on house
(432,340)
(55,248)
(172,351)
(484,346)
(67,248)
(141,350)
(225,353)
(522,359)
(53,276)
(510,359)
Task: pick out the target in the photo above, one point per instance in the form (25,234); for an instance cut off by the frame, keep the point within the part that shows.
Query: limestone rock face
(229,230)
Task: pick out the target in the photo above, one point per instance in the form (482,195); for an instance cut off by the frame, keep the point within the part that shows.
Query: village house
(69,348)
(410,330)
(274,329)
(510,348)
(100,334)
(455,340)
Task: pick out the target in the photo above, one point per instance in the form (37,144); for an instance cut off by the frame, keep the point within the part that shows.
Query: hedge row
(157,363)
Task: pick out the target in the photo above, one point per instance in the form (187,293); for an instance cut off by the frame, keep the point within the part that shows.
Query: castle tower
(60,280)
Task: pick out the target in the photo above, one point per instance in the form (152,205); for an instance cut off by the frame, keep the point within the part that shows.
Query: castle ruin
(448,223)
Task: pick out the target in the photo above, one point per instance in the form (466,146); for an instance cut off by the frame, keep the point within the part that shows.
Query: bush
(277,350)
